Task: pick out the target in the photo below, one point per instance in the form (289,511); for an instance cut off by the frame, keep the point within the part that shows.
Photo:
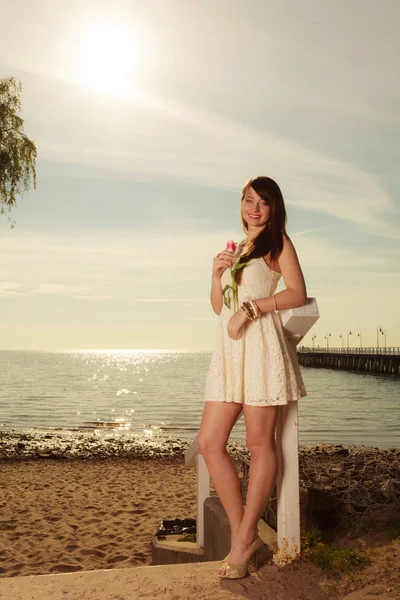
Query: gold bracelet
(251,309)
(255,308)
(246,313)
(245,308)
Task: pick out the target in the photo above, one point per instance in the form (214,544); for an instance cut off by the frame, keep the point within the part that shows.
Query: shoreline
(335,481)
(23,445)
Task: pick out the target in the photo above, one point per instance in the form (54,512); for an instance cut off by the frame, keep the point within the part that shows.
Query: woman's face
(255,210)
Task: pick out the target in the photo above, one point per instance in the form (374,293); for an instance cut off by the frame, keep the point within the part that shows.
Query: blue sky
(149,117)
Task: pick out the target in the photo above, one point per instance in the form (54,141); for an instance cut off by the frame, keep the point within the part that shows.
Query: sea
(160,393)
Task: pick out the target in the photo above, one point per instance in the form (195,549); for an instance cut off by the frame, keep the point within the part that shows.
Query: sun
(108,59)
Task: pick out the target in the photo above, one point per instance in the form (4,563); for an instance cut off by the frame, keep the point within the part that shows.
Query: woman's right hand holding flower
(222,261)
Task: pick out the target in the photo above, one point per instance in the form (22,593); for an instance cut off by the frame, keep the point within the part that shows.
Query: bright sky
(148,118)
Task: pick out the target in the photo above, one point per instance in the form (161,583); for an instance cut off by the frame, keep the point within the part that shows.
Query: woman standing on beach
(253,367)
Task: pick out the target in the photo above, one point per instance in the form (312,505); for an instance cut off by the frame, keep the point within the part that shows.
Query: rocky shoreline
(333,478)
(339,484)
(23,445)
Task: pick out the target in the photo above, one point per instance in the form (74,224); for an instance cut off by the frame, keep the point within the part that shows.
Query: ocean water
(160,393)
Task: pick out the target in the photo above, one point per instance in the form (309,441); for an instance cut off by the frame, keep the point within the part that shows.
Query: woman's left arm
(295,293)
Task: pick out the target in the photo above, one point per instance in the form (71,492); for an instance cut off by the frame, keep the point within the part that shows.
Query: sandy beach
(87,514)
(80,504)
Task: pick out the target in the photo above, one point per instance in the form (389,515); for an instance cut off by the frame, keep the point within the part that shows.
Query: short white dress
(260,368)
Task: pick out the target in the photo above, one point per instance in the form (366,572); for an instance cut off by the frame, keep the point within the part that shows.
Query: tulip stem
(234,290)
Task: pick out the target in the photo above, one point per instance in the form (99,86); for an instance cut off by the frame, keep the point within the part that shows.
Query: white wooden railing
(296,322)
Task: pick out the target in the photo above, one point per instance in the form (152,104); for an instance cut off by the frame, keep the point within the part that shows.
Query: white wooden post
(203,491)
(193,457)
(296,322)
(288,494)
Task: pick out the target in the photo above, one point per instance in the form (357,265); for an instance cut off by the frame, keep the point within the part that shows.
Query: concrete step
(169,582)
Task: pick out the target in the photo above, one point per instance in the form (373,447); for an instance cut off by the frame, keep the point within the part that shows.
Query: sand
(61,516)
(87,514)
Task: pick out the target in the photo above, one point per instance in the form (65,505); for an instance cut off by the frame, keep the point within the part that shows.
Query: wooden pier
(383,361)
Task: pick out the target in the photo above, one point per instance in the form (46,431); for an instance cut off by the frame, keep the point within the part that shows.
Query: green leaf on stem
(227,300)
(237,268)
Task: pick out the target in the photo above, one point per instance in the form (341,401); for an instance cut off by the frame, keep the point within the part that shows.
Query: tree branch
(15,130)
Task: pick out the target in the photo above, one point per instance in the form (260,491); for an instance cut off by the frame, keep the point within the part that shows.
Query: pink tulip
(231,246)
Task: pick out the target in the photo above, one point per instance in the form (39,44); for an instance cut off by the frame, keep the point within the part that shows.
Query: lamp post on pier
(341,337)
(314,337)
(359,334)
(380,330)
(326,337)
(348,333)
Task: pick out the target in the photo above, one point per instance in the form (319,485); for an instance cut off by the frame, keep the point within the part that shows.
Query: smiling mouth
(254,216)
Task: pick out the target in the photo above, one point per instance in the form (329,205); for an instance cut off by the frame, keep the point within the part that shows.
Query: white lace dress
(260,368)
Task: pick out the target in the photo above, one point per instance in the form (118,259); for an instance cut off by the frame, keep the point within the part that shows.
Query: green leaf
(227,300)
(237,268)
(17,151)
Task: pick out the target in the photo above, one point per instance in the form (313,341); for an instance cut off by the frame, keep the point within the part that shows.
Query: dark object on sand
(176,527)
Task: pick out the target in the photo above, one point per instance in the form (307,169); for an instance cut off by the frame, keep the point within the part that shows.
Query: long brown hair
(270,240)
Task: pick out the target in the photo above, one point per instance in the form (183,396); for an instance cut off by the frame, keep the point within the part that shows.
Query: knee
(259,445)
(202,444)
(208,447)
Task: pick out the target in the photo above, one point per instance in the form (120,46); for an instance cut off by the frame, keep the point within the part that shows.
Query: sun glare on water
(108,59)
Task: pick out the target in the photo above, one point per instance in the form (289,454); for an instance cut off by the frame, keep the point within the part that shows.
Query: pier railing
(389,351)
(374,360)
(296,322)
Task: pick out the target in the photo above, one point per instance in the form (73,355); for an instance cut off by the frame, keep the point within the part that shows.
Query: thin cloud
(73,292)
(9,288)
(307,231)
(177,300)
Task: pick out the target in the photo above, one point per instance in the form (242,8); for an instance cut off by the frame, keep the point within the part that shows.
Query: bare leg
(260,439)
(216,425)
